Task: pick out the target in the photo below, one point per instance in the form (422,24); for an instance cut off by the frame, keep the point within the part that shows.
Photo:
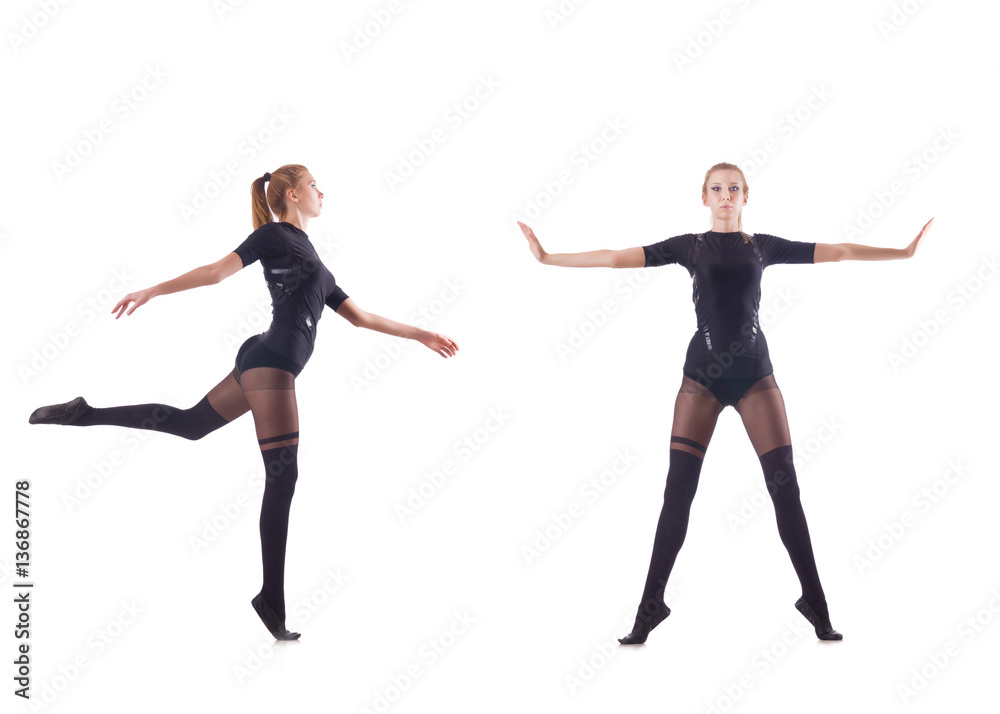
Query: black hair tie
(267,176)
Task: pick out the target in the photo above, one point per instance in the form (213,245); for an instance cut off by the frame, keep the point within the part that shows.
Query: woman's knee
(779,472)
(281,469)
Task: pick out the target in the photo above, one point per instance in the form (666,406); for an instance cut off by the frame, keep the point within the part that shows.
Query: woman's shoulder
(269,241)
(276,232)
(275,227)
(681,237)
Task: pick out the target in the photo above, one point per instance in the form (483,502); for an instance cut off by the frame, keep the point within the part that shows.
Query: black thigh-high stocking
(220,406)
(763,412)
(271,394)
(696,412)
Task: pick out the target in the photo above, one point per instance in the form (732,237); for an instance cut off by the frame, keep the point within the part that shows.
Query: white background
(886,81)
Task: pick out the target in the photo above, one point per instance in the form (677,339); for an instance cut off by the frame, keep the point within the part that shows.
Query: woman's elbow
(617,260)
(358,318)
(222,269)
(213,275)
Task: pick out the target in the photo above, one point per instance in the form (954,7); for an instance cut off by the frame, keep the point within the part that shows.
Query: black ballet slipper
(645,620)
(60,413)
(824,630)
(275,626)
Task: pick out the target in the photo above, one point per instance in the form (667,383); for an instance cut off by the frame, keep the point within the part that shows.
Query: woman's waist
(728,338)
(289,341)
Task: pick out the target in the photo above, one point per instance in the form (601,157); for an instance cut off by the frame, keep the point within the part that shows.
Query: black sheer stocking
(696,412)
(763,412)
(224,403)
(270,393)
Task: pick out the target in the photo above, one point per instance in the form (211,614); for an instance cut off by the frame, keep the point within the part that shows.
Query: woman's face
(310,197)
(724,194)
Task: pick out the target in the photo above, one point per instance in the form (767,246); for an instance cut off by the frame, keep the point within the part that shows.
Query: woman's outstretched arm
(833,252)
(444,346)
(204,275)
(624,258)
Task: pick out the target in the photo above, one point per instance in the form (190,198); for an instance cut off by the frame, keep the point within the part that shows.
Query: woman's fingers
(528,233)
(122,308)
(921,234)
(533,243)
(444,346)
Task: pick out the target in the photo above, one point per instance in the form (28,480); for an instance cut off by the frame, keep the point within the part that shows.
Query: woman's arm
(624,258)
(349,310)
(204,275)
(834,252)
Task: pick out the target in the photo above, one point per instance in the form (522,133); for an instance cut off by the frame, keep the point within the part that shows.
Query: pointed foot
(824,630)
(274,624)
(645,620)
(60,413)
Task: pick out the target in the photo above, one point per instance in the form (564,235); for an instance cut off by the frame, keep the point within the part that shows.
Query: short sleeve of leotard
(265,242)
(778,250)
(671,250)
(336,297)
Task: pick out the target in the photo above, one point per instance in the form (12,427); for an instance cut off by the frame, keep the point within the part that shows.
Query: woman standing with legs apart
(727,364)
(263,378)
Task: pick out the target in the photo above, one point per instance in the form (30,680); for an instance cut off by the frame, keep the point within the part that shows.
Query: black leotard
(299,283)
(729,345)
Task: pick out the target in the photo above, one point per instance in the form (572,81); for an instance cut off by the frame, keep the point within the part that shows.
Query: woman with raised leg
(262,380)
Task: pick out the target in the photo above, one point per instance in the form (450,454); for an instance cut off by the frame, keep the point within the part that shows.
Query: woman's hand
(444,346)
(140,297)
(912,247)
(533,244)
